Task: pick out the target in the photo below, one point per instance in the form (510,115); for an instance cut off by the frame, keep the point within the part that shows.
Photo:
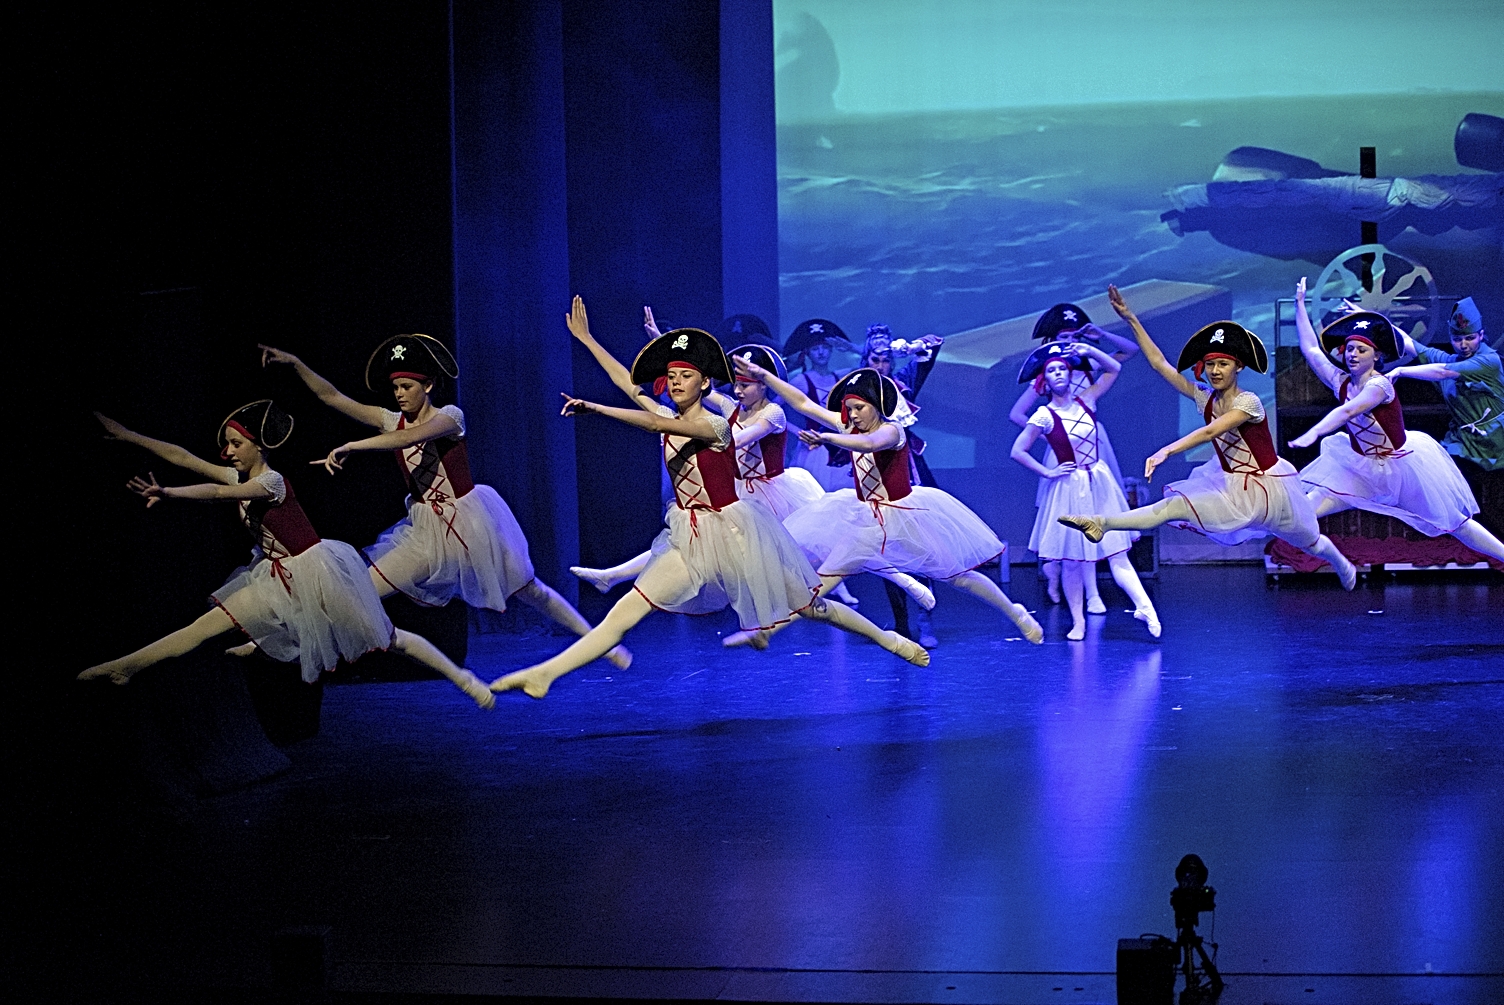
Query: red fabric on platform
(1381,550)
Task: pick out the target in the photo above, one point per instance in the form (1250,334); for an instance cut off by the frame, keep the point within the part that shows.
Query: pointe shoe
(908,650)
(844,595)
(1077,633)
(1026,624)
(244,649)
(1347,575)
(592,576)
(1089,525)
(530,682)
(1150,617)
(620,657)
(477,690)
(1094,605)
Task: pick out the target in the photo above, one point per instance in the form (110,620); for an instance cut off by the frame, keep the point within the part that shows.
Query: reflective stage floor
(823,822)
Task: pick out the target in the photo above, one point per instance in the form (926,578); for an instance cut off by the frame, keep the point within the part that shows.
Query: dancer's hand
(1119,304)
(1155,460)
(1304,439)
(648,324)
(574,406)
(336,459)
(747,368)
(577,321)
(112,429)
(811,437)
(1091,331)
(1069,467)
(147,488)
(1300,292)
(271,355)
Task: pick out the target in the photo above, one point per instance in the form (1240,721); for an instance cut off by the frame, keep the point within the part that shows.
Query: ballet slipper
(477,690)
(244,649)
(906,649)
(926,631)
(1077,632)
(1150,617)
(1347,574)
(1052,590)
(620,657)
(923,595)
(594,577)
(844,595)
(1094,605)
(757,640)
(116,676)
(1091,526)
(534,683)
(1026,624)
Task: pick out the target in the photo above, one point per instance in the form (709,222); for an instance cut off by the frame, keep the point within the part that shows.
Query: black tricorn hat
(808,334)
(1060,318)
(869,385)
(682,345)
(266,424)
(739,328)
(1035,363)
(1229,339)
(763,357)
(1365,326)
(418,356)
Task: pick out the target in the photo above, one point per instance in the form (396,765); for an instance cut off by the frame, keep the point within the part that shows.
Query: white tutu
(1085,490)
(473,549)
(793,489)
(927,533)
(1232,508)
(320,608)
(816,460)
(1419,485)
(1108,457)
(740,557)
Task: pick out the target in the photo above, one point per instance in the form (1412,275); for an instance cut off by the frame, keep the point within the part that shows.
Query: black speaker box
(1146,971)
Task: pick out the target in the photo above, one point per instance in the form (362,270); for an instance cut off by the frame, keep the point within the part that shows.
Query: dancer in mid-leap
(718,550)
(301,598)
(1379,465)
(885,523)
(1247,490)
(1080,480)
(459,538)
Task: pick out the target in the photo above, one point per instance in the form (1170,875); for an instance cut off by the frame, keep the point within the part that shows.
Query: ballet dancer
(459,538)
(809,348)
(885,523)
(1247,490)
(301,597)
(1080,480)
(1379,465)
(718,550)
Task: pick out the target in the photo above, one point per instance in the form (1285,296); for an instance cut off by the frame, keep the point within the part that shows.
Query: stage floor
(824,822)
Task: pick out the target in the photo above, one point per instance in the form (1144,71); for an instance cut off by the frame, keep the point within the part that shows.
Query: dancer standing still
(717,550)
(459,539)
(1379,465)
(1079,481)
(301,597)
(1247,490)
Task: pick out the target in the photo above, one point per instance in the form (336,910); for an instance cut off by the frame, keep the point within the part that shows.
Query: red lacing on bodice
(281,530)
(1379,432)
(882,478)
(1246,450)
(437,472)
(703,478)
(759,460)
(1074,438)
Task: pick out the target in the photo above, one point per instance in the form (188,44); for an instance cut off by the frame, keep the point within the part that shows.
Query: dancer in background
(1079,481)
(1247,490)
(301,598)
(886,523)
(808,350)
(1070,323)
(717,550)
(459,539)
(1379,465)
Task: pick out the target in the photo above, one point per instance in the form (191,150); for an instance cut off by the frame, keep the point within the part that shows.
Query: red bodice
(436,471)
(280,529)
(763,459)
(1248,449)
(1381,431)
(704,478)
(881,475)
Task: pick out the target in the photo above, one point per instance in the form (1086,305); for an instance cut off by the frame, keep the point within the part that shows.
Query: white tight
(1177,508)
(1472,533)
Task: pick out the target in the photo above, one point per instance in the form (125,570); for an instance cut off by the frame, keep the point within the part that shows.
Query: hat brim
(698,348)
(378,378)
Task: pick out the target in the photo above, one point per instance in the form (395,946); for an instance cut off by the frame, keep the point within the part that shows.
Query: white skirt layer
(928,533)
(1109,457)
(1420,486)
(323,608)
(1085,490)
(816,461)
(790,490)
(739,557)
(473,549)
(1231,508)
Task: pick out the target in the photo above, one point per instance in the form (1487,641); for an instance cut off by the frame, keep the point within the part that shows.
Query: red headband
(232,424)
(421,377)
(1201,366)
(845,412)
(661,384)
(1355,337)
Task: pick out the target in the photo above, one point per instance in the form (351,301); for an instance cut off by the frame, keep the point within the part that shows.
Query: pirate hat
(1060,318)
(808,334)
(740,328)
(1365,326)
(262,422)
(417,356)
(1225,338)
(1466,319)
(763,357)
(1035,363)
(689,346)
(869,385)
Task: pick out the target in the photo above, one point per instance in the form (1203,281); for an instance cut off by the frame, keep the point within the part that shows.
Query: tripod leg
(1212,975)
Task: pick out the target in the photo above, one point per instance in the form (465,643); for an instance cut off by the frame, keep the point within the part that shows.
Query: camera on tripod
(1191,895)
(1147,965)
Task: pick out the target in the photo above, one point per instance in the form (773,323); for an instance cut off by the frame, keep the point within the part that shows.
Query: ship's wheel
(1403,290)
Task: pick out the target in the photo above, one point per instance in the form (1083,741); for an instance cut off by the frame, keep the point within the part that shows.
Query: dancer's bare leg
(536,680)
(542,597)
(1072,576)
(984,589)
(604,579)
(420,650)
(1052,580)
(1477,537)
(1127,577)
(209,624)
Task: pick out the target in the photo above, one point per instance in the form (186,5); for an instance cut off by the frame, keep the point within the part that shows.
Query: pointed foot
(620,657)
(1347,574)
(1089,525)
(244,649)
(477,690)
(594,577)
(907,650)
(115,674)
(1077,632)
(1026,624)
(533,683)
(1150,617)
(1094,605)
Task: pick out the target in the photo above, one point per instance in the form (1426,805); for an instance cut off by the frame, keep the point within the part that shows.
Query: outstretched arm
(1151,351)
(169,452)
(322,389)
(148,489)
(884,437)
(1424,371)
(791,395)
(436,427)
(578,323)
(1310,346)
(699,429)
(1221,424)
(1369,398)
